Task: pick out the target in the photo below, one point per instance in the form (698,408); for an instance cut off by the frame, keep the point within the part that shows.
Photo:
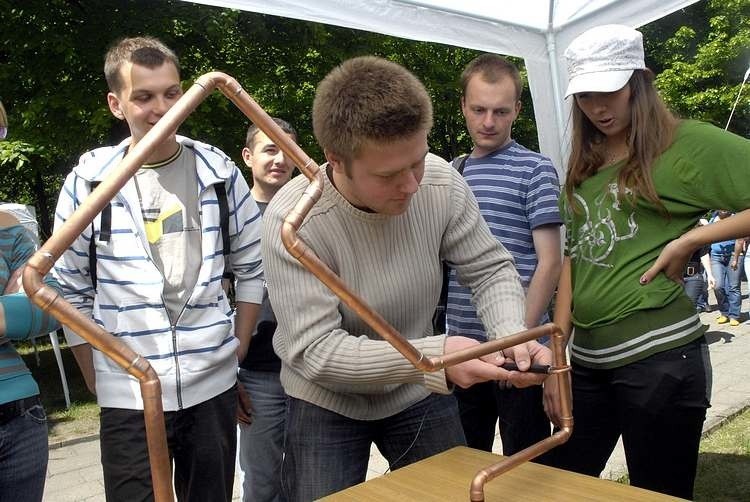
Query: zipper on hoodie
(173,327)
(178,387)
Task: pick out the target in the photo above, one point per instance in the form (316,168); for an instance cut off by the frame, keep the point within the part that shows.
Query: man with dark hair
(517,192)
(150,272)
(262,427)
(390,212)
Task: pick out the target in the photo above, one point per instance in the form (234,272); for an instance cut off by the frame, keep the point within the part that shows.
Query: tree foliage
(701,55)
(52,85)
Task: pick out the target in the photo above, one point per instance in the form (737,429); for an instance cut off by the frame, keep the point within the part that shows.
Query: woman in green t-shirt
(638,181)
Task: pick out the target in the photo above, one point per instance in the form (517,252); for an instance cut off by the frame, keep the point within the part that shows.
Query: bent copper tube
(49,300)
(40,263)
(559,370)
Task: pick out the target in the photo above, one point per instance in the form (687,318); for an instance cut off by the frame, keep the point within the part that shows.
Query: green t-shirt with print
(612,241)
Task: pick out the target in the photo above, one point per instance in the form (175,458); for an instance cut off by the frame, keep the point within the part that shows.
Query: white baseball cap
(603,58)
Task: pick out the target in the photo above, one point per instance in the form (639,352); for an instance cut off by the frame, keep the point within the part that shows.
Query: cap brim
(601,81)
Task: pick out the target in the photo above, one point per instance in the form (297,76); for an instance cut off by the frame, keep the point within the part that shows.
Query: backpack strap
(105,233)
(221,198)
(460,162)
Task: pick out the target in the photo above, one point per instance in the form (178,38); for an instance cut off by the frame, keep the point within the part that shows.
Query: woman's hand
(671,261)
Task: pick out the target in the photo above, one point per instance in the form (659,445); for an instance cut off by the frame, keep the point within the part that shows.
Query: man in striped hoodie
(149,270)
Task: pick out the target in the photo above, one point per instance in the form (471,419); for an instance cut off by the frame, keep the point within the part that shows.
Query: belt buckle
(690,271)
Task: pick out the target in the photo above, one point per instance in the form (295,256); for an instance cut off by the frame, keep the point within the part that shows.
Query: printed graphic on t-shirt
(606,224)
(169,221)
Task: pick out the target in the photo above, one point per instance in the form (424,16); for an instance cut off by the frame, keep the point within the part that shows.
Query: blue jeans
(262,441)
(697,289)
(326,452)
(23,456)
(727,287)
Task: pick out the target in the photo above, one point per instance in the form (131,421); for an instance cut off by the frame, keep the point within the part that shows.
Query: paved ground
(74,472)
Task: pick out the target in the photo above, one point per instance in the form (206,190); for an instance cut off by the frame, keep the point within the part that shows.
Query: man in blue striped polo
(517,192)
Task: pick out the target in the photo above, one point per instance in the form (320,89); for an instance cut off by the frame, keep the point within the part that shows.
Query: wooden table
(447,477)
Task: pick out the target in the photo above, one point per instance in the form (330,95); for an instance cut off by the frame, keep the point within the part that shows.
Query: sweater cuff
(436,381)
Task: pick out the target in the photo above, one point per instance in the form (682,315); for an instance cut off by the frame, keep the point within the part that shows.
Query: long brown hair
(652,128)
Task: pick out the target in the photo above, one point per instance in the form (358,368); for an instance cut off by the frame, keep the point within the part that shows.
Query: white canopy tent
(536,30)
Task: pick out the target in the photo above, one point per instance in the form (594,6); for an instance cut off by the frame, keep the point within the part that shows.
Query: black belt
(14,409)
(692,268)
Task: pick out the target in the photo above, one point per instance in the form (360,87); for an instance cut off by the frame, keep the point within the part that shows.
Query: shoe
(722,319)
(734,322)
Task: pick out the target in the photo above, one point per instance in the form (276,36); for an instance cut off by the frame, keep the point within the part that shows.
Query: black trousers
(518,412)
(657,404)
(202,442)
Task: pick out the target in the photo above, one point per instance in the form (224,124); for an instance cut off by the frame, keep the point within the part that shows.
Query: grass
(82,419)
(723,463)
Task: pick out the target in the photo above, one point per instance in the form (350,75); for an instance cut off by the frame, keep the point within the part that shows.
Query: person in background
(23,423)
(638,182)
(743,249)
(389,214)
(262,421)
(726,266)
(699,278)
(517,191)
(150,272)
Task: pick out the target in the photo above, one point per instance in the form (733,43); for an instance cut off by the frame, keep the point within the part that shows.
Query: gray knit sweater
(330,357)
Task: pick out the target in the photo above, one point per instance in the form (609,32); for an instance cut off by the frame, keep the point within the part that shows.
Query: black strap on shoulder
(460,162)
(105,233)
(221,197)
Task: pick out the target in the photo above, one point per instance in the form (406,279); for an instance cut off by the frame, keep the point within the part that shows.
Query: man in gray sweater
(390,213)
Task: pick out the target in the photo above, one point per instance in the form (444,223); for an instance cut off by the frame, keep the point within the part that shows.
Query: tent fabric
(536,30)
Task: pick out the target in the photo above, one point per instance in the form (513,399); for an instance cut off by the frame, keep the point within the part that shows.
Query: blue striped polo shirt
(517,191)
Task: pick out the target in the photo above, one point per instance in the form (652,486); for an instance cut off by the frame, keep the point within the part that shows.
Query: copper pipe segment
(561,371)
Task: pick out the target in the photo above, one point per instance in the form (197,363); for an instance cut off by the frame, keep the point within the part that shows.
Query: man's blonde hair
(143,51)
(368,99)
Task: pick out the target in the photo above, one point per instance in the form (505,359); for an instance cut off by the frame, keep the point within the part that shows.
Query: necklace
(615,155)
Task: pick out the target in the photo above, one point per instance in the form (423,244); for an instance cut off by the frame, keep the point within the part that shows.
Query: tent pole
(555,75)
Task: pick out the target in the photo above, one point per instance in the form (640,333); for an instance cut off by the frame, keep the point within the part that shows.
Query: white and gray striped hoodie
(195,355)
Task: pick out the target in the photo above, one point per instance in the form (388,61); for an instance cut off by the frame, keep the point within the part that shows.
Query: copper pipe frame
(43,260)
(49,300)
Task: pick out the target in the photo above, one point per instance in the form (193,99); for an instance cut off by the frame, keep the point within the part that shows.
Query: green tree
(52,85)
(701,55)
